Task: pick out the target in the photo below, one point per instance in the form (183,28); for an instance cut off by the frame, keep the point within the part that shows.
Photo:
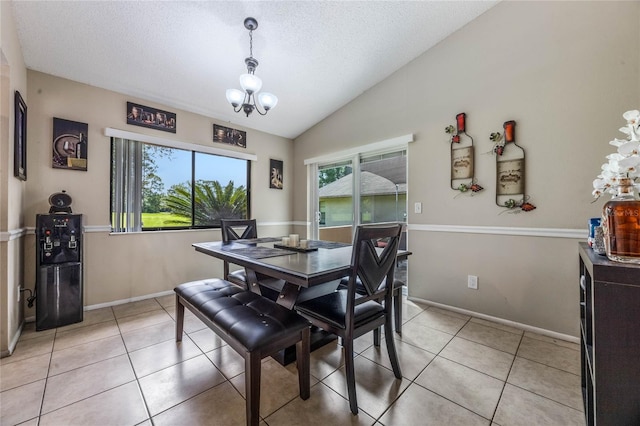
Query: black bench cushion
(250,318)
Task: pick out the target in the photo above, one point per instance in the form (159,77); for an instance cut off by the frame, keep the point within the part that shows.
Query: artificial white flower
(625,163)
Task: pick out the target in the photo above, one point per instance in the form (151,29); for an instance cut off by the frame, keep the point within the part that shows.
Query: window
(156,187)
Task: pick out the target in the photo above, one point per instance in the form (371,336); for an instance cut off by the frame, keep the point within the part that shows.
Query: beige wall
(14,77)
(565,71)
(120,267)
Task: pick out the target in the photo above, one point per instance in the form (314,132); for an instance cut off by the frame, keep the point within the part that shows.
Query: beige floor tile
(376,386)
(167,301)
(324,407)
(497,325)
(91,317)
(410,309)
(30,348)
(549,382)
(327,359)
(125,407)
(228,361)
(85,354)
(162,355)
(419,406)
(142,320)
(559,342)
(135,308)
(550,354)
(437,320)
(32,422)
(278,385)
(450,313)
(419,334)
(143,337)
(191,322)
(411,358)
(25,371)
(29,332)
(490,336)
(90,333)
(22,403)
(519,407)
(176,384)
(222,405)
(84,382)
(206,339)
(482,358)
(471,389)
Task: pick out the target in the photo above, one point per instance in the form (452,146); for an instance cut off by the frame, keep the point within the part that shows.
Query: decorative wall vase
(510,170)
(462,157)
(621,224)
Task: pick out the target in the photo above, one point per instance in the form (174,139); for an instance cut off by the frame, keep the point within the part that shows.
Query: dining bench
(254,326)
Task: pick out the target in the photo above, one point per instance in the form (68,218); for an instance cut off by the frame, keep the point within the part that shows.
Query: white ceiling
(316,56)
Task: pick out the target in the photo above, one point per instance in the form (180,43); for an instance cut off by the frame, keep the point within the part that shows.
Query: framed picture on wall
(20,138)
(275,178)
(229,136)
(144,116)
(69,144)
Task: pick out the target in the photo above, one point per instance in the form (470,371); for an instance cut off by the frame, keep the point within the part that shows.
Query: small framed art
(275,178)
(20,138)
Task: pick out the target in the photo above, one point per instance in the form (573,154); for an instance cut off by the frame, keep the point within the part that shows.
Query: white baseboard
(131,299)
(524,327)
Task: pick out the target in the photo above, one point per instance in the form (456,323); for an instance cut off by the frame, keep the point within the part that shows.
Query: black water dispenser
(59,270)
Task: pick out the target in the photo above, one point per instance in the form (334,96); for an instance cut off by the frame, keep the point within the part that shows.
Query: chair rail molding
(503,230)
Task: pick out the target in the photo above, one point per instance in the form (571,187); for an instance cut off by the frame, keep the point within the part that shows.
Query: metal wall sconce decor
(510,170)
(462,158)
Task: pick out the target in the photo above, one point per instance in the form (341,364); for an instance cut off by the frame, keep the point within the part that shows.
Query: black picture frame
(275,174)
(151,118)
(20,138)
(229,136)
(69,145)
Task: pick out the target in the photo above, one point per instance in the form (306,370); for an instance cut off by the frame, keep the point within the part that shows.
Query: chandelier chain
(251,43)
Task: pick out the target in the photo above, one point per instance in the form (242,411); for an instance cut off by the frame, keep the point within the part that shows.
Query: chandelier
(245,99)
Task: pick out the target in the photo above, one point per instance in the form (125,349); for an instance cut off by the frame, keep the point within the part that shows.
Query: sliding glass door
(366,189)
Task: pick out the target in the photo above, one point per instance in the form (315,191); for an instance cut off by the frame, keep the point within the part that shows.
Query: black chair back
(368,263)
(248,228)
(349,313)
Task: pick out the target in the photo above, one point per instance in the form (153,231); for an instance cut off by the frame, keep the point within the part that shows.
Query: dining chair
(348,314)
(241,229)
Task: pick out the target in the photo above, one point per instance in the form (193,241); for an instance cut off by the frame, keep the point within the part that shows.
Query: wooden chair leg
(252,364)
(391,349)
(303,356)
(179,319)
(397,309)
(350,374)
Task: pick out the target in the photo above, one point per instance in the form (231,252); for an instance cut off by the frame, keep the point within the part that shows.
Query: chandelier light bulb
(267,100)
(235,97)
(250,83)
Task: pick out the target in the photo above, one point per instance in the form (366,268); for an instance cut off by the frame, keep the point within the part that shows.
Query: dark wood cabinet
(610,339)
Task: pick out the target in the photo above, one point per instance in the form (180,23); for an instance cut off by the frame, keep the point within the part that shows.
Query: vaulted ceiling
(316,56)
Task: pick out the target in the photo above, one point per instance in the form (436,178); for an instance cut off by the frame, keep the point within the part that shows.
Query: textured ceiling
(316,56)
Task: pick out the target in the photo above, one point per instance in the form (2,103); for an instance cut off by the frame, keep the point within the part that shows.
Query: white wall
(565,71)
(14,77)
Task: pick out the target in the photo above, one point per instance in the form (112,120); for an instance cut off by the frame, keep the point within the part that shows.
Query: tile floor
(121,366)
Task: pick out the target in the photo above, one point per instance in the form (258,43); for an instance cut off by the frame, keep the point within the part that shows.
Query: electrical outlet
(417,207)
(472,281)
